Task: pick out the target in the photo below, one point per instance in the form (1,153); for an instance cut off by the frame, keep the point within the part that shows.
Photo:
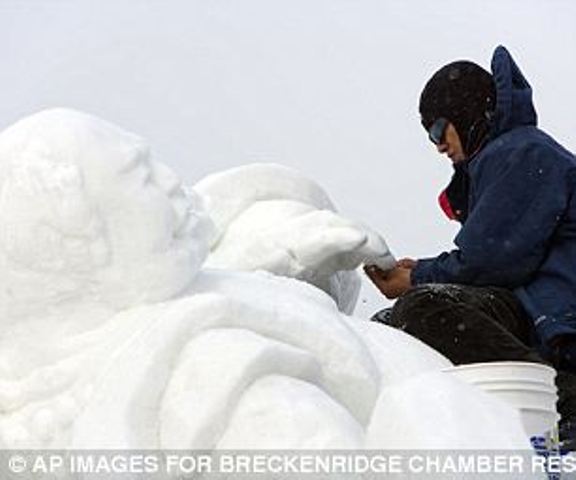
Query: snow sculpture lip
(86,212)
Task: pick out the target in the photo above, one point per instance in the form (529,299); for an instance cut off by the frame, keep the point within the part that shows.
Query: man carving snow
(114,337)
(508,289)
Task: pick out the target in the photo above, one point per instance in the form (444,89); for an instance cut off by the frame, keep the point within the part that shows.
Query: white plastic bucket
(508,371)
(527,386)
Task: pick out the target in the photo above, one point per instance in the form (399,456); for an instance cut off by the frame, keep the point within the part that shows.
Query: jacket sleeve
(519,202)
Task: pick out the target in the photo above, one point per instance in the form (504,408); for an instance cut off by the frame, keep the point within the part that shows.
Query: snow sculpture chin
(269,217)
(113,338)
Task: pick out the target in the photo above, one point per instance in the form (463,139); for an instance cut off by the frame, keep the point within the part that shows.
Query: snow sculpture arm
(253,348)
(271,218)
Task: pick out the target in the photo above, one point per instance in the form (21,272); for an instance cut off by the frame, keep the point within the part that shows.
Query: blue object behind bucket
(546,446)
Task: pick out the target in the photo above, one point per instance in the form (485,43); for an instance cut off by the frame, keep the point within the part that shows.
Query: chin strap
(479,133)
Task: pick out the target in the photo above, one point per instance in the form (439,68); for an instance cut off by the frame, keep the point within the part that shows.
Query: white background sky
(329,87)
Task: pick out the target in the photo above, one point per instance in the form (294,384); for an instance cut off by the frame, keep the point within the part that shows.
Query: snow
(115,335)
(78,228)
(432,411)
(269,217)
(398,356)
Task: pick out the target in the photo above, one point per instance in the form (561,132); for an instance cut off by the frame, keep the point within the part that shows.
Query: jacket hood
(514,105)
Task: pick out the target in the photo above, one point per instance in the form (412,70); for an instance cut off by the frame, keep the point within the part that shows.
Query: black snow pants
(473,324)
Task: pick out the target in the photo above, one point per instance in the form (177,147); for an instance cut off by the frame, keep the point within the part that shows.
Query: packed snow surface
(115,335)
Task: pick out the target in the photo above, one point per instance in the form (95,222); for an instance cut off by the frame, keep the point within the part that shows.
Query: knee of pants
(423,302)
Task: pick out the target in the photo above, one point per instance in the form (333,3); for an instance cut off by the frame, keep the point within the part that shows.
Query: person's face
(450,144)
(154,230)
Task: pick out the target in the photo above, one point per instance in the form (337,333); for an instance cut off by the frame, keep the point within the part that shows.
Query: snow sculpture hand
(269,217)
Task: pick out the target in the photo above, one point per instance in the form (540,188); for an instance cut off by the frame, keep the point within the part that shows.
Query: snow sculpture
(112,336)
(87,217)
(269,217)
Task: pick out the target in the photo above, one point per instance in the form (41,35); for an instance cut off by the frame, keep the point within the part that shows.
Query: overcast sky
(329,87)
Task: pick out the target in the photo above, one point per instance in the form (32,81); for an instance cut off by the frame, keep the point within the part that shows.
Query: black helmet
(463,93)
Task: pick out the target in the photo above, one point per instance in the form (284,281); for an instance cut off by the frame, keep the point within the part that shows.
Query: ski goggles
(437,131)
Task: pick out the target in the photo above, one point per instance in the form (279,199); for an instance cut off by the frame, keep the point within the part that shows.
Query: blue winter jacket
(520,232)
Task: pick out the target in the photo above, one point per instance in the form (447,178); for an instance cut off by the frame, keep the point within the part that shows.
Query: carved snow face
(88,213)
